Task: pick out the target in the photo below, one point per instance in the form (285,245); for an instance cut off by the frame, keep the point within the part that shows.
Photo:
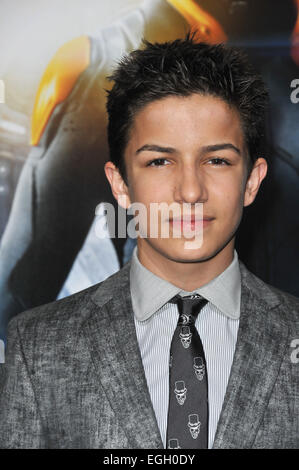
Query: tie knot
(189,308)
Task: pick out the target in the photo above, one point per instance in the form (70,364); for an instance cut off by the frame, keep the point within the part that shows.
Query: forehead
(187,122)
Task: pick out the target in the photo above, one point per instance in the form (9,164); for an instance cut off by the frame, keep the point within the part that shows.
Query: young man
(183,347)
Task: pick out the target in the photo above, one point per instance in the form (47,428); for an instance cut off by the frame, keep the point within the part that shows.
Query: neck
(186,276)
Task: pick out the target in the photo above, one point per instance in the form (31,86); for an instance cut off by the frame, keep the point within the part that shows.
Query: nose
(190,185)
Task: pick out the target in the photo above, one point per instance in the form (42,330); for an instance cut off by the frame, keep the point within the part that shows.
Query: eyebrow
(205,149)
(155,148)
(224,146)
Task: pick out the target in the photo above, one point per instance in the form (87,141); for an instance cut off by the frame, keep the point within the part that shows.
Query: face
(189,150)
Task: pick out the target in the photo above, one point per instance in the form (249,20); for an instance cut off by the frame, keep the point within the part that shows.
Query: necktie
(187,426)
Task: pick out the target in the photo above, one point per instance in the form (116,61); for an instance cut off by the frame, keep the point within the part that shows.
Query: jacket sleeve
(20,422)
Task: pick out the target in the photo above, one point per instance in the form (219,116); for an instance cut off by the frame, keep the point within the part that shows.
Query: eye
(219,161)
(158,162)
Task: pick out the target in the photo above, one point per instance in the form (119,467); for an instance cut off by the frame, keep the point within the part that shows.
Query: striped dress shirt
(156,320)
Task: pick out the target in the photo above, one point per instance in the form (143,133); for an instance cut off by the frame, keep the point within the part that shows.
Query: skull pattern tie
(187,426)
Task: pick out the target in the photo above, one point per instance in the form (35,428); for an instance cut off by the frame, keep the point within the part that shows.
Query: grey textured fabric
(73,376)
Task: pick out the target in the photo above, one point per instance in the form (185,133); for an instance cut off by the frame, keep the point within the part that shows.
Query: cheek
(230,198)
(147,190)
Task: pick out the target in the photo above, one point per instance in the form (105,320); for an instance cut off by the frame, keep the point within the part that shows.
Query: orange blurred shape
(295,38)
(60,76)
(208,29)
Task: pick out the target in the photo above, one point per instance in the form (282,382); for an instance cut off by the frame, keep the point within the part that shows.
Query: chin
(191,258)
(183,255)
(177,252)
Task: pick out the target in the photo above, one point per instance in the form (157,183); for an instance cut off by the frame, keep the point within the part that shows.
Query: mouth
(190,223)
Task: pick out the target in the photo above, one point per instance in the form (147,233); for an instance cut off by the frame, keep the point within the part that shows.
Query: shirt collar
(149,292)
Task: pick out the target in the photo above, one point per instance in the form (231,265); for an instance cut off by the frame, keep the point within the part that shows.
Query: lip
(191,223)
(191,218)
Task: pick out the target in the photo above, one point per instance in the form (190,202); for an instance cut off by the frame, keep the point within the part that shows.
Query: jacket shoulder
(290,302)
(70,311)
(269,294)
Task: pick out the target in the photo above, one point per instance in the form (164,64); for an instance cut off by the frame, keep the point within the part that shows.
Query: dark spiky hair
(181,68)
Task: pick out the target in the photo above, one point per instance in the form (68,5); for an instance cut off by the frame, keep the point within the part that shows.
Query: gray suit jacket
(73,376)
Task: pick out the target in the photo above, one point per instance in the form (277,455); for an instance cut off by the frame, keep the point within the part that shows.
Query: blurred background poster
(54,60)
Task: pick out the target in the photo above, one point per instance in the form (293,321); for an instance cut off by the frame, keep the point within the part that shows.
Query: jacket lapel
(118,362)
(261,343)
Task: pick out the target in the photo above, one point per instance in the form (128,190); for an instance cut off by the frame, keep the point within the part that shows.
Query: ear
(118,186)
(258,173)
